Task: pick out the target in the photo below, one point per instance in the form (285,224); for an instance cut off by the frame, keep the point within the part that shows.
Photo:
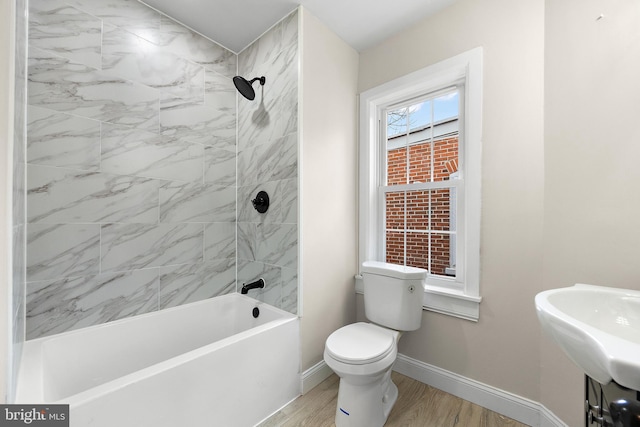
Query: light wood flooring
(418,405)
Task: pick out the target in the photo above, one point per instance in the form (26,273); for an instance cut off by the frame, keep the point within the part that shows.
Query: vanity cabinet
(611,405)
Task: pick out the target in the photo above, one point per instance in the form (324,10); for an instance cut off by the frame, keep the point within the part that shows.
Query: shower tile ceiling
(236,23)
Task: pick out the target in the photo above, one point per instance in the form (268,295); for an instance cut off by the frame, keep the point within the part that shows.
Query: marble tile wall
(268,160)
(19,198)
(130,165)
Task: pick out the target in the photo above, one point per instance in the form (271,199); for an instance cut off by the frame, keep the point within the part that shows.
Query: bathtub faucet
(253,285)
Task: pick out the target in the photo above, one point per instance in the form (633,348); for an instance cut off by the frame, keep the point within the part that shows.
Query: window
(420,154)
(419,182)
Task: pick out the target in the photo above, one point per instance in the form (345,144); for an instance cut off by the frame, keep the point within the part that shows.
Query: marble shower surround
(130,164)
(19,226)
(268,160)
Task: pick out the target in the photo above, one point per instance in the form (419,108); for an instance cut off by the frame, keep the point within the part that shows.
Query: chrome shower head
(245,87)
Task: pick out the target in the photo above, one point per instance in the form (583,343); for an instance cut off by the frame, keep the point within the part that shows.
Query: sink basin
(599,329)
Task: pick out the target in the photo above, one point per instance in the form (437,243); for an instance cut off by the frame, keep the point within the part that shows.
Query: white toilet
(362,354)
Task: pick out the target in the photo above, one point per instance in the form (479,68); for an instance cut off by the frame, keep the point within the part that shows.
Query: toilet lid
(360,343)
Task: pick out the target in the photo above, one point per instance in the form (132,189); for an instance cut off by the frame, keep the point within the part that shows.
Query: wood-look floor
(418,405)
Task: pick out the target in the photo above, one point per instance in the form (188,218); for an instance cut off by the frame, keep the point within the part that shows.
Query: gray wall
(560,177)
(502,349)
(268,160)
(130,164)
(592,197)
(329,186)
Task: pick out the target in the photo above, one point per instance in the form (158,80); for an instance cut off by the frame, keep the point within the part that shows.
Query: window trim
(467,66)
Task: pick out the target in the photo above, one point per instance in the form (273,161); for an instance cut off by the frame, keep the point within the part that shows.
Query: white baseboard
(513,406)
(549,419)
(314,376)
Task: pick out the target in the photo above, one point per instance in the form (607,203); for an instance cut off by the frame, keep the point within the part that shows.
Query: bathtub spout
(253,285)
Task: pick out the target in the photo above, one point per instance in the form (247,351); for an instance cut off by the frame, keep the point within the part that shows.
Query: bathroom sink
(599,329)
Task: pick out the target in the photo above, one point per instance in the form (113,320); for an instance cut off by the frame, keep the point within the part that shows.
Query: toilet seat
(360,343)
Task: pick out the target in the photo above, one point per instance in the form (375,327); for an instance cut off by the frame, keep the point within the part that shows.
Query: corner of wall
(328,176)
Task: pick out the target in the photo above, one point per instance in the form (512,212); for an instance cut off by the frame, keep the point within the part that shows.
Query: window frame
(460,300)
(456,283)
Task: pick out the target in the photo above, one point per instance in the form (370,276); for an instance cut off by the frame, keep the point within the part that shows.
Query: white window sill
(444,301)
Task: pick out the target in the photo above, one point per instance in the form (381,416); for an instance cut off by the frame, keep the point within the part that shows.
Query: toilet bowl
(362,354)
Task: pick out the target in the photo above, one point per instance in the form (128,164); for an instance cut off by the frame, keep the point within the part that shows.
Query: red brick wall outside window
(414,220)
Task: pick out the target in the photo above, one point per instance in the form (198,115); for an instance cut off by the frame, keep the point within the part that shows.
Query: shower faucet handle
(261,202)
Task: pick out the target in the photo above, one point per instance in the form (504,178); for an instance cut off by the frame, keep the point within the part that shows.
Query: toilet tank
(393,294)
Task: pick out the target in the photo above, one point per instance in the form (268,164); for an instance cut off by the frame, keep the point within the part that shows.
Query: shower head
(245,87)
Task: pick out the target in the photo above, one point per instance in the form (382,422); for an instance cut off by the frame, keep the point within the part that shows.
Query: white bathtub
(208,363)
